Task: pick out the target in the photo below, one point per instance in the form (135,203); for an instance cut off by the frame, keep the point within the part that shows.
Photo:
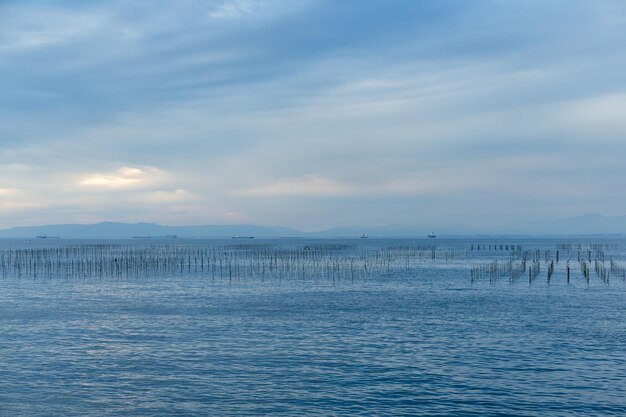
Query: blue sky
(309,113)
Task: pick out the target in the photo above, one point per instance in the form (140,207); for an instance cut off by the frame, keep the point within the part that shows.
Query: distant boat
(432,235)
(142,237)
(364,236)
(243,237)
(47,237)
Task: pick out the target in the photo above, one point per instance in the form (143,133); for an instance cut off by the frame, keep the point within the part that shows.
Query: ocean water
(419,340)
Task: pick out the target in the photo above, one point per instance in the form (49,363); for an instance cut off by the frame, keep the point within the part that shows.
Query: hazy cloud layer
(311,113)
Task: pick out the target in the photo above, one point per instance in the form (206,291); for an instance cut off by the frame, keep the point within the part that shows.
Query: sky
(311,113)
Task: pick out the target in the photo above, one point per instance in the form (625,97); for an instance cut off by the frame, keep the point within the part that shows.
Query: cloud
(231,9)
(187,111)
(6,192)
(309,185)
(16,200)
(601,115)
(227,10)
(163,197)
(29,28)
(416,183)
(123,178)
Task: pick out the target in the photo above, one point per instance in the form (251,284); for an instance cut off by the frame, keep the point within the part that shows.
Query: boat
(364,236)
(243,237)
(47,237)
(432,235)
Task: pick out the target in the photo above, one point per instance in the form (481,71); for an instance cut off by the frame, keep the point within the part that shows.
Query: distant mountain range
(592,224)
(589,224)
(112,230)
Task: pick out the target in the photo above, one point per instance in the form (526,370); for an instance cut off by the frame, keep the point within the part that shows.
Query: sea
(423,337)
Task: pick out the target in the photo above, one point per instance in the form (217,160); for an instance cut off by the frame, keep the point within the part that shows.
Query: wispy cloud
(231,9)
(22,30)
(309,185)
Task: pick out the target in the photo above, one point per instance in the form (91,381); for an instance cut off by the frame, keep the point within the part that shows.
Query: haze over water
(421,339)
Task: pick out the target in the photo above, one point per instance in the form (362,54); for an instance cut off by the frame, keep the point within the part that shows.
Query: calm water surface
(422,340)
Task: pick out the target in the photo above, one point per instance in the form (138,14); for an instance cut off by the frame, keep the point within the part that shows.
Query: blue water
(421,340)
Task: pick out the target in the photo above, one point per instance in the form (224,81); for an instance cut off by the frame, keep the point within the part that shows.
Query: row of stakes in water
(336,261)
(231,261)
(514,270)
